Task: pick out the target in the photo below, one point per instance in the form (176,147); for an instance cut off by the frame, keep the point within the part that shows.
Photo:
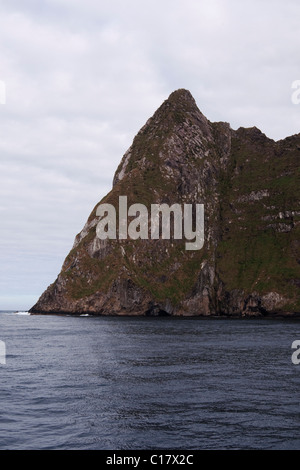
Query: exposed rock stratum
(250,262)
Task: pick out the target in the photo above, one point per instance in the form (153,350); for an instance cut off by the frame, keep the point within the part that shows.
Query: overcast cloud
(82,77)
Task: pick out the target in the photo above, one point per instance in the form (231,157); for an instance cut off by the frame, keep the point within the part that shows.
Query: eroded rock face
(249,264)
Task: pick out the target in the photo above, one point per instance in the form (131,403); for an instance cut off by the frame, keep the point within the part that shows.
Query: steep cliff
(250,261)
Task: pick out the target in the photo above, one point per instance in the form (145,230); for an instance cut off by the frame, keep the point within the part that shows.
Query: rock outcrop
(250,262)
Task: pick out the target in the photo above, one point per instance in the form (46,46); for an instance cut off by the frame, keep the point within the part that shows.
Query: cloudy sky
(82,76)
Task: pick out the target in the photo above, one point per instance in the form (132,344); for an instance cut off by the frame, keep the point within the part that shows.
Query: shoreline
(269,316)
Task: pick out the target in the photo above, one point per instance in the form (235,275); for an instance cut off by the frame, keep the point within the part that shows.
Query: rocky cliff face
(250,261)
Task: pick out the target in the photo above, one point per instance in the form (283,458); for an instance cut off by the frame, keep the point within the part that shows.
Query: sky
(79,78)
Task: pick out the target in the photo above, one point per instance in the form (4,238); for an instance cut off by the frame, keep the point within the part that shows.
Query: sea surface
(148,383)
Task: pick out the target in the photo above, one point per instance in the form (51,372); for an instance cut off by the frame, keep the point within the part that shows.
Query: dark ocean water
(148,383)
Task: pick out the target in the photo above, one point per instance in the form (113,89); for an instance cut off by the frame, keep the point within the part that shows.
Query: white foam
(22,313)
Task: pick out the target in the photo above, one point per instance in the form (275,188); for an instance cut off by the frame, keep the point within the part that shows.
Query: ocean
(98,383)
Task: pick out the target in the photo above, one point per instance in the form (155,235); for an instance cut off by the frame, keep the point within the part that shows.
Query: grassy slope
(254,254)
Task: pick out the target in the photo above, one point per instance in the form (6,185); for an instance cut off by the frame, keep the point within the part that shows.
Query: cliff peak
(180,100)
(181,95)
(170,135)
